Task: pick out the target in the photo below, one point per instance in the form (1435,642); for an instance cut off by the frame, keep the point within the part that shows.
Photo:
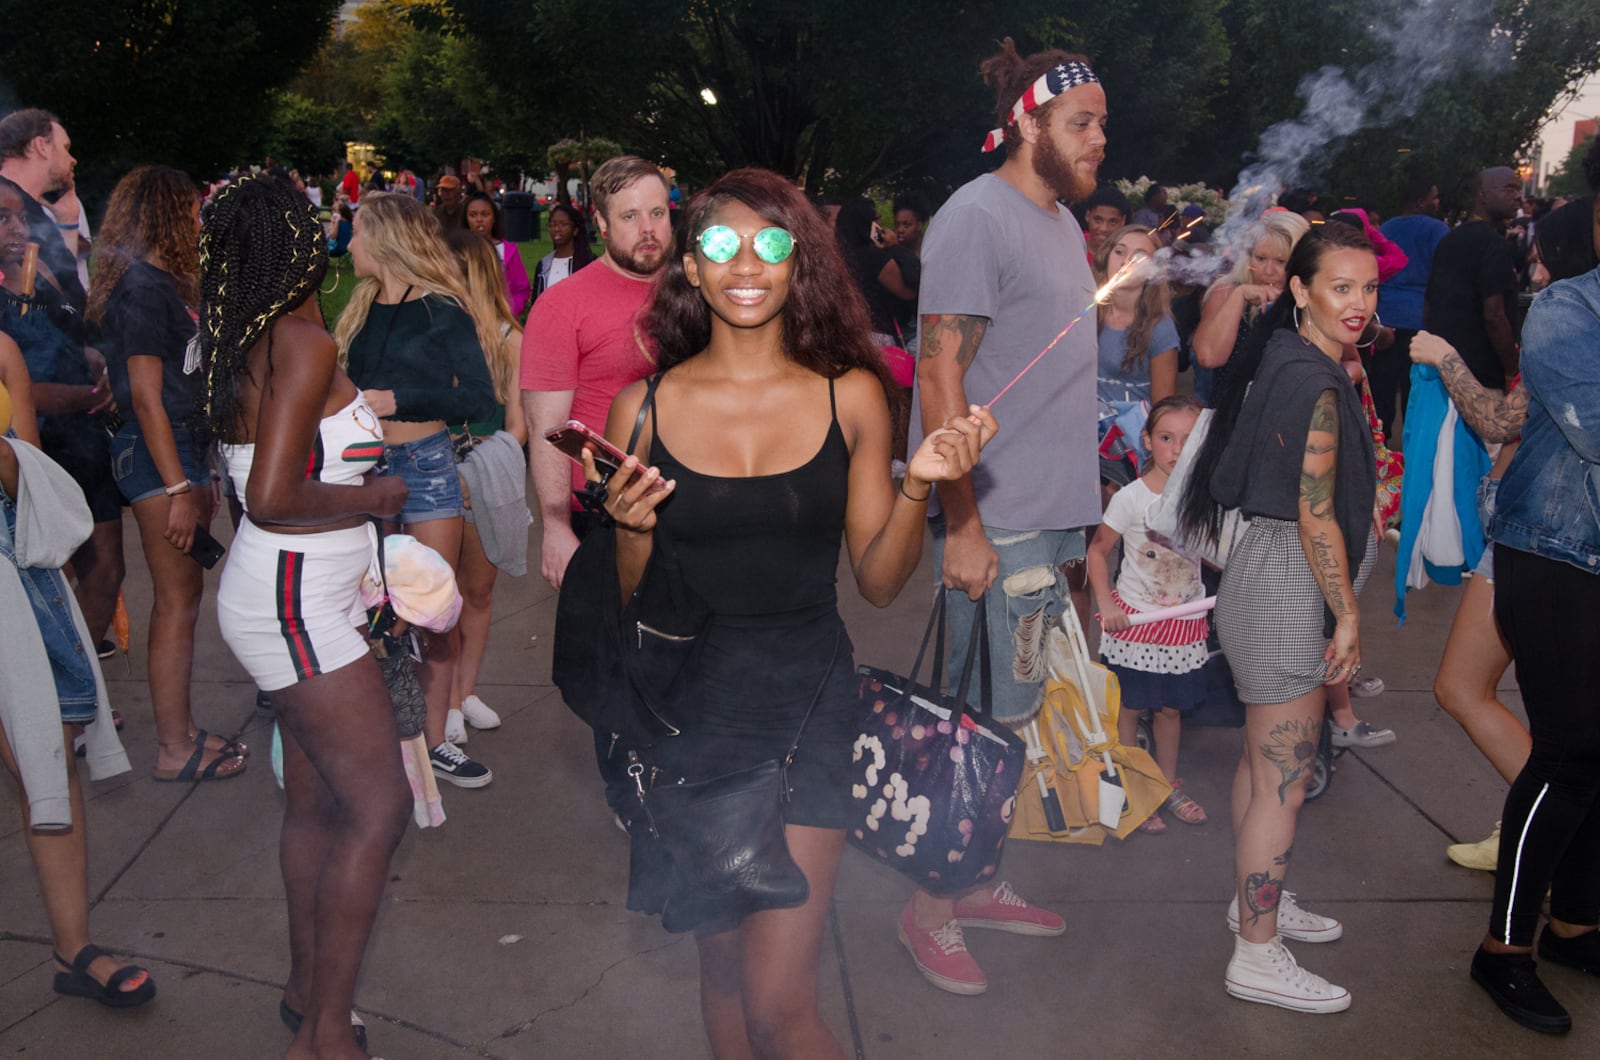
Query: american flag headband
(1050,84)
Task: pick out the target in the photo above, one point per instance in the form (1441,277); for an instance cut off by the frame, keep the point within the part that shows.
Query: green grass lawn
(341,279)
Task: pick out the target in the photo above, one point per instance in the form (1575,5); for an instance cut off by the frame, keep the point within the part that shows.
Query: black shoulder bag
(624,668)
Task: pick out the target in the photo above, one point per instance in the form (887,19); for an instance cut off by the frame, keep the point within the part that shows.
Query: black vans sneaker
(452,764)
(1513,982)
(1581,951)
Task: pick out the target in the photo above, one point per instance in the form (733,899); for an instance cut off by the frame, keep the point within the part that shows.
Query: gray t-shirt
(991,252)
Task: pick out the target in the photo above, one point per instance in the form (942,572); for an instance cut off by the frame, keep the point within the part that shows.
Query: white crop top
(347,445)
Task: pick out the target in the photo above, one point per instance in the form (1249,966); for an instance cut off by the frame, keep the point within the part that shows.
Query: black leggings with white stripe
(1549,613)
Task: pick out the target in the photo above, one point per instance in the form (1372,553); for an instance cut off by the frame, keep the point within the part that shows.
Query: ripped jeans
(1029,591)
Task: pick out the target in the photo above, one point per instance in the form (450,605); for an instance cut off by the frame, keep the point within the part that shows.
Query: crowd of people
(783,378)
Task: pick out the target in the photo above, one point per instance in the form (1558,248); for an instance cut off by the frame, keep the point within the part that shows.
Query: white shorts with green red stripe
(289,604)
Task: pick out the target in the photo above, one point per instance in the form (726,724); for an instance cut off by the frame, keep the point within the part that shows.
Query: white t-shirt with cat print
(1155,573)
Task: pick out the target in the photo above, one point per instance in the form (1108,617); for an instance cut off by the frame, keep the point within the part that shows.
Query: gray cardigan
(52,521)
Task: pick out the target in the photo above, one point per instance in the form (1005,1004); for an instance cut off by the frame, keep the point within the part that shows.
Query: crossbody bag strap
(383,346)
(645,406)
(838,636)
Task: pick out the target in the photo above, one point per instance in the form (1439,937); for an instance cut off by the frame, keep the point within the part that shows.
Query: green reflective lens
(774,245)
(720,244)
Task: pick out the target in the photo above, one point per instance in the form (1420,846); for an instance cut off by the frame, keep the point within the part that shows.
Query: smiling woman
(1290,445)
(765,442)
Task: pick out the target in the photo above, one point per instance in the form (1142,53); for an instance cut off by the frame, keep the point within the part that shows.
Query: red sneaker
(941,956)
(1003,909)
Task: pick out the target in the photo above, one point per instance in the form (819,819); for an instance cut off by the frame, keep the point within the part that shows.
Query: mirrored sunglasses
(719,243)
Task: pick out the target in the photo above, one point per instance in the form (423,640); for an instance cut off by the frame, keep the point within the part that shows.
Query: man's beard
(58,182)
(638,266)
(1055,170)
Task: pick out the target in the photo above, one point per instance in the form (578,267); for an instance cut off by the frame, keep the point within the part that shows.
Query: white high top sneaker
(1296,923)
(1266,972)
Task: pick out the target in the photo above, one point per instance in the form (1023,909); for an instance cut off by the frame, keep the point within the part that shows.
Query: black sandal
(79,983)
(191,771)
(293,1019)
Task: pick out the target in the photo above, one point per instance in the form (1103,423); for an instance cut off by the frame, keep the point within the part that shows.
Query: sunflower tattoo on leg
(1292,747)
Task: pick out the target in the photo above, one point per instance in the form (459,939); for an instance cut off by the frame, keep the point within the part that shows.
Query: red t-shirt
(581,336)
(351,185)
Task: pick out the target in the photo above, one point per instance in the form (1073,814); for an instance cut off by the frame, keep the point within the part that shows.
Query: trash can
(521,223)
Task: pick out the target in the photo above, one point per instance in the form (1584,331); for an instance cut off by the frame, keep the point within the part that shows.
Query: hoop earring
(1375,327)
(1296,311)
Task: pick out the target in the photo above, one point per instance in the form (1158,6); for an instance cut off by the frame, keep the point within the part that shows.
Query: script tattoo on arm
(1497,416)
(1263,891)
(1319,532)
(1292,748)
(954,335)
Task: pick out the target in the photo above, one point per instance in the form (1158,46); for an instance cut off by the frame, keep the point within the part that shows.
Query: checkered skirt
(1269,613)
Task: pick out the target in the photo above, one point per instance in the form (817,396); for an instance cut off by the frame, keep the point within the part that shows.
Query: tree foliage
(1569,180)
(183,82)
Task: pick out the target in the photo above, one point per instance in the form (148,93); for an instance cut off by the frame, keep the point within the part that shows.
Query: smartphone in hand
(205,549)
(573,437)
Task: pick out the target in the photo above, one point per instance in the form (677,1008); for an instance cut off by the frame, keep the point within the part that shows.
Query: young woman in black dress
(770,434)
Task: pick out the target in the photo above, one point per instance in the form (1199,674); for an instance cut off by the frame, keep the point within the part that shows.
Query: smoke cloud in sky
(1429,40)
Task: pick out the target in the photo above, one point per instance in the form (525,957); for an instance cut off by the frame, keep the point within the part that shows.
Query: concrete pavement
(504,934)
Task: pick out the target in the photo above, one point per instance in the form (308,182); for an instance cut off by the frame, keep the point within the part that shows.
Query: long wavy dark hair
(1199,515)
(150,215)
(825,323)
(262,253)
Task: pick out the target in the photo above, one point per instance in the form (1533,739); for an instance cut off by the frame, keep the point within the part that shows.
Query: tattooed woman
(1289,447)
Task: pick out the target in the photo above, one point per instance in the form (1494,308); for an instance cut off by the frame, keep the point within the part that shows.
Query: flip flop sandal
(293,1019)
(1183,807)
(79,983)
(191,771)
(1153,824)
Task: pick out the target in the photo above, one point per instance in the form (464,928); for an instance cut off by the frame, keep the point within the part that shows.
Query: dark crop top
(761,546)
(427,352)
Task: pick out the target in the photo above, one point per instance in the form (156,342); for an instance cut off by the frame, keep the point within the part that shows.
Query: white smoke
(1429,41)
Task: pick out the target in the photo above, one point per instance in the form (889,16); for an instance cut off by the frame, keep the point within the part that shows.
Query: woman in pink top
(483,217)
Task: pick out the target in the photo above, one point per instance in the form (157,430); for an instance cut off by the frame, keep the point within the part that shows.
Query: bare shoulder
(859,389)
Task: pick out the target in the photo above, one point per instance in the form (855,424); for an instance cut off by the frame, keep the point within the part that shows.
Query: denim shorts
(1487,488)
(135,470)
(428,468)
(1028,593)
(71,666)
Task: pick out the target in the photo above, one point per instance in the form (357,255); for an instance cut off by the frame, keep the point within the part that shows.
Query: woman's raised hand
(632,493)
(952,451)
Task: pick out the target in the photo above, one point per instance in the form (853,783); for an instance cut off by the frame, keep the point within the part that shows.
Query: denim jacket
(1549,501)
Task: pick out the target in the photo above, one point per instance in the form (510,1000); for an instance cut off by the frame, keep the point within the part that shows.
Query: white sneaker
(1266,972)
(455,730)
(1482,855)
(478,714)
(1365,686)
(1295,923)
(1361,734)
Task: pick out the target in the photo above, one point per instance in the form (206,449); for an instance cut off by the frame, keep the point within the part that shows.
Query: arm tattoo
(1292,747)
(1263,891)
(1322,439)
(1327,564)
(953,334)
(1496,416)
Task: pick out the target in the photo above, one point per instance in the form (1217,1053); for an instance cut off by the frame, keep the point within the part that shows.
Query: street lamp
(709,97)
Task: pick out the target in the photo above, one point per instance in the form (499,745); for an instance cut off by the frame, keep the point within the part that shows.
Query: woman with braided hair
(414,346)
(143,304)
(300,443)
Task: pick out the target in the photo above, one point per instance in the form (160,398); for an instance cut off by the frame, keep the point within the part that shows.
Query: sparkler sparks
(1101,296)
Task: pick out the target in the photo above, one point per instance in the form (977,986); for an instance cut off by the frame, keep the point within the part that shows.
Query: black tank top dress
(764,553)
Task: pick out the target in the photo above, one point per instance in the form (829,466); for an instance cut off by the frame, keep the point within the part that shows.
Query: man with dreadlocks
(300,443)
(1004,268)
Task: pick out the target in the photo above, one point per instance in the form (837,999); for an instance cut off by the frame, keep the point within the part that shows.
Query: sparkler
(1101,296)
